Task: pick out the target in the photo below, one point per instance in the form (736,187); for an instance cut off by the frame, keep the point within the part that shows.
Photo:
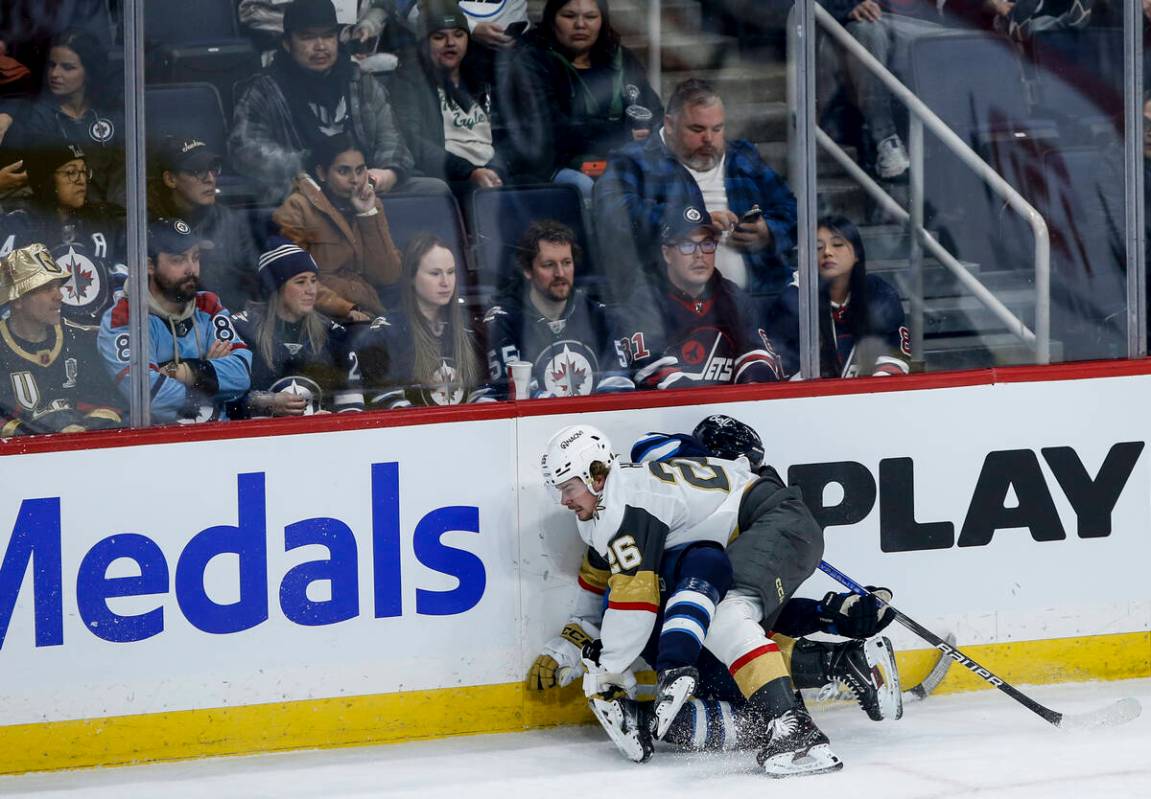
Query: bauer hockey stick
(1119,712)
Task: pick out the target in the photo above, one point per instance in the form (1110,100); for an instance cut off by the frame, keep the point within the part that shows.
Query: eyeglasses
(202,174)
(707,246)
(75,174)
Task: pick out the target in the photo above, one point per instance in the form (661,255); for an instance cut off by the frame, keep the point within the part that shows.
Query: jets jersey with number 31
(646,509)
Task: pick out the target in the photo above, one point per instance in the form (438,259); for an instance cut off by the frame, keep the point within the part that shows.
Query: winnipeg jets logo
(182,227)
(332,123)
(570,372)
(299,386)
(84,284)
(446,389)
(102,130)
(692,214)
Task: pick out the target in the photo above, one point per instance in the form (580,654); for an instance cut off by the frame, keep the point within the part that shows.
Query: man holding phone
(691,162)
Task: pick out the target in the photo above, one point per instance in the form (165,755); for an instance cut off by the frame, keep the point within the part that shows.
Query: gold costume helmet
(27,269)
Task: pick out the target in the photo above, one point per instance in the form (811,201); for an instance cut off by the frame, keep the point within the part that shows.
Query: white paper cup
(520,378)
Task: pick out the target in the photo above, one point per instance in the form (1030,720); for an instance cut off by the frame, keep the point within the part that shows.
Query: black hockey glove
(592,649)
(854,616)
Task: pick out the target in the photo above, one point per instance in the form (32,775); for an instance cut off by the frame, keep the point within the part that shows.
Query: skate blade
(671,701)
(881,659)
(611,717)
(819,759)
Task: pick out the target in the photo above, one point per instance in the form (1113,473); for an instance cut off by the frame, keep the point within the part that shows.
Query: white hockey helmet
(571,452)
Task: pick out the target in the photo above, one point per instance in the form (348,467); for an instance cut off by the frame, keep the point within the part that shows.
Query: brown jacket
(356,257)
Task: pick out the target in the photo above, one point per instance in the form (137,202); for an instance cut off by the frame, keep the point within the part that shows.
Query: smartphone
(516,29)
(752,216)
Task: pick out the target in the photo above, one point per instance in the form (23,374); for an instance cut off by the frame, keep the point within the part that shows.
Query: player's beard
(178,291)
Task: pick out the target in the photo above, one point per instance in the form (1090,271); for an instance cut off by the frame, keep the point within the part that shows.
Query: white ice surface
(980,744)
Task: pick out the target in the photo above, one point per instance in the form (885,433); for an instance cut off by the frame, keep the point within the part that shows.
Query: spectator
(570,93)
(567,336)
(690,163)
(196,362)
(444,107)
(336,216)
(310,92)
(73,110)
(183,186)
(301,361)
(86,238)
(699,329)
(496,25)
(426,353)
(862,329)
(53,382)
(263,21)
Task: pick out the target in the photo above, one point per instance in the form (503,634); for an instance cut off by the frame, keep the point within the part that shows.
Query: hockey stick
(1119,712)
(934,677)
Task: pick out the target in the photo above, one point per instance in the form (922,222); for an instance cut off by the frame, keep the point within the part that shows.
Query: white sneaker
(891,159)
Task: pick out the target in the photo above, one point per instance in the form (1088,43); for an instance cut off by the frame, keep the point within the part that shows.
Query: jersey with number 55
(646,509)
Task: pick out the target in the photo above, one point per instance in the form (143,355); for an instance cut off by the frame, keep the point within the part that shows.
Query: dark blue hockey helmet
(726,437)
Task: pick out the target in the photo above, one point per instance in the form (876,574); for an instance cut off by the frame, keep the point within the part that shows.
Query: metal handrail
(922,116)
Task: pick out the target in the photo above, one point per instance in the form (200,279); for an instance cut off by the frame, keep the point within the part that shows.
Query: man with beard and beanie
(183,186)
(309,92)
(52,381)
(566,336)
(196,360)
(696,327)
(690,162)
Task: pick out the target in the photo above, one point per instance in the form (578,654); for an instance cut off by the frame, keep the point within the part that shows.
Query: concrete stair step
(685,51)
(775,153)
(738,83)
(630,18)
(976,352)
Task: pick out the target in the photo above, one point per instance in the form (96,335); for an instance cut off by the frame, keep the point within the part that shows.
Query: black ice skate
(627,724)
(868,669)
(796,747)
(674,688)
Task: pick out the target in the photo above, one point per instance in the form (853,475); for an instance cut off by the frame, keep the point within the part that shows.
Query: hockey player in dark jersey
(53,380)
(699,329)
(862,327)
(84,237)
(301,361)
(566,336)
(625,516)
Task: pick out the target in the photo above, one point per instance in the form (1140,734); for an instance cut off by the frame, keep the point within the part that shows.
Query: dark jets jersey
(387,357)
(885,349)
(329,380)
(679,341)
(49,385)
(89,247)
(572,356)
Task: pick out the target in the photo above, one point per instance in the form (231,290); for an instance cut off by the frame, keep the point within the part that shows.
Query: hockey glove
(598,683)
(561,661)
(855,616)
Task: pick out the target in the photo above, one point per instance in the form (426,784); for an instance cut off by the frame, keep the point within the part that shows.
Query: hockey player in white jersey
(630,515)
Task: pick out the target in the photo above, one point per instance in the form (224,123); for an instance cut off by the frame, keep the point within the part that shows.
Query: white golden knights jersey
(646,509)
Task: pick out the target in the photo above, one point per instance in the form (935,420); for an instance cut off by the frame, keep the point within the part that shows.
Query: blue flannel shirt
(644,178)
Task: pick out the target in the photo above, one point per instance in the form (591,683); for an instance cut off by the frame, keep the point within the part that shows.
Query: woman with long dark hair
(444,106)
(301,361)
(84,236)
(862,327)
(426,354)
(575,95)
(333,213)
(73,109)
